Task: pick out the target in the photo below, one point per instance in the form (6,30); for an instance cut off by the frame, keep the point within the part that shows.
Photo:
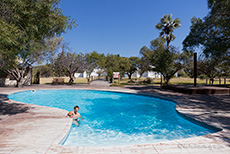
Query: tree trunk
(212,80)
(71,79)
(141,74)
(89,79)
(20,83)
(37,80)
(130,76)
(167,81)
(168,45)
(19,75)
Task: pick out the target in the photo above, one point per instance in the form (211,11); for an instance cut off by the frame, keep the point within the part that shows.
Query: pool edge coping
(183,115)
(200,143)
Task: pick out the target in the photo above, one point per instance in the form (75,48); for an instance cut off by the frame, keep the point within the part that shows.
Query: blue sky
(124,26)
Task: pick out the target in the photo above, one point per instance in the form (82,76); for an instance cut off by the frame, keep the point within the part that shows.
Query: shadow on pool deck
(208,102)
(7,108)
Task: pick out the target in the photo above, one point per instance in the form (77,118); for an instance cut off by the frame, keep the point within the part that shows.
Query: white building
(148,74)
(95,73)
(80,75)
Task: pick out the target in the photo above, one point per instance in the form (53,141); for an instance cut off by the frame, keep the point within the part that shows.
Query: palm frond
(170,17)
(162,33)
(177,20)
(165,18)
(172,37)
(159,26)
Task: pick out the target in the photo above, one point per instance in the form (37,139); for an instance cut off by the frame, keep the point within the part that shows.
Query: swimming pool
(112,118)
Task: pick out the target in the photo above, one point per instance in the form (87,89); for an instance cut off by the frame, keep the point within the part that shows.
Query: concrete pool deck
(37,129)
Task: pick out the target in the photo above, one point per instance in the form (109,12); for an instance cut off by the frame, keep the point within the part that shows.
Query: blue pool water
(112,118)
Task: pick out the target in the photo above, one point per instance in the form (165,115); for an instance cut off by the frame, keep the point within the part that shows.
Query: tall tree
(167,25)
(212,32)
(18,66)
(209,66)
(25,28)
(71,62)
(211,36)
(134,62)
(112,65)
(143,66)
(124,65)
(115,63)
(165,61)
(147,60)
(95,60)
(91,63)
(220,12)
(187,60)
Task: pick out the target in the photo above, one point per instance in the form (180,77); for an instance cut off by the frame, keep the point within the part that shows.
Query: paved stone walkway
(36,129)
(28,129)
(100,83)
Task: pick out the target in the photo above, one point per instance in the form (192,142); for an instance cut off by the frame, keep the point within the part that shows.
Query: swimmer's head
(76,108)
(71,114)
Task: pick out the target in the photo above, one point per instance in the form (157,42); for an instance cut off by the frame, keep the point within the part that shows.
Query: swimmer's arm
(81,117)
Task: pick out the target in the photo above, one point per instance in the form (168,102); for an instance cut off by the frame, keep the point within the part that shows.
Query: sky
(124,26)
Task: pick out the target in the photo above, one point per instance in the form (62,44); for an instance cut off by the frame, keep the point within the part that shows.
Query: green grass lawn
(49,80)
(173,81)
(139,81)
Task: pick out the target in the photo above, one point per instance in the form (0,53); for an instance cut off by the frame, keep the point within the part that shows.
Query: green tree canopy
(134,63)
(211,33)
(94,60)
(209,66)
(187,60)
(115,63)
(143,66)
(163,60)
(25,27)
(71,62)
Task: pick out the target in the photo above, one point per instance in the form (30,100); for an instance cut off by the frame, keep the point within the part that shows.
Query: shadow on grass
(7,108)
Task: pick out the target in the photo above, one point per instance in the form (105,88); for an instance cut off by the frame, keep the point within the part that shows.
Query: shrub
(147,81)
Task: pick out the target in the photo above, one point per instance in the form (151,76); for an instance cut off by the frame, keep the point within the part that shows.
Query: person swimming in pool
(75,115)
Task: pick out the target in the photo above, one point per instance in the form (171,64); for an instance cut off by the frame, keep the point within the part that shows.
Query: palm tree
(167,26)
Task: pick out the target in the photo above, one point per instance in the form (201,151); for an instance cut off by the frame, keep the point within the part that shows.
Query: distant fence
(218,81)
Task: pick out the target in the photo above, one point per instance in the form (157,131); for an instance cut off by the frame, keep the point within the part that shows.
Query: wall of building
(7,82)
(148,74)
(85,75)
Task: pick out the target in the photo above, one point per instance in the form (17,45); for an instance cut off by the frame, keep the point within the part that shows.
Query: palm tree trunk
(168,44)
